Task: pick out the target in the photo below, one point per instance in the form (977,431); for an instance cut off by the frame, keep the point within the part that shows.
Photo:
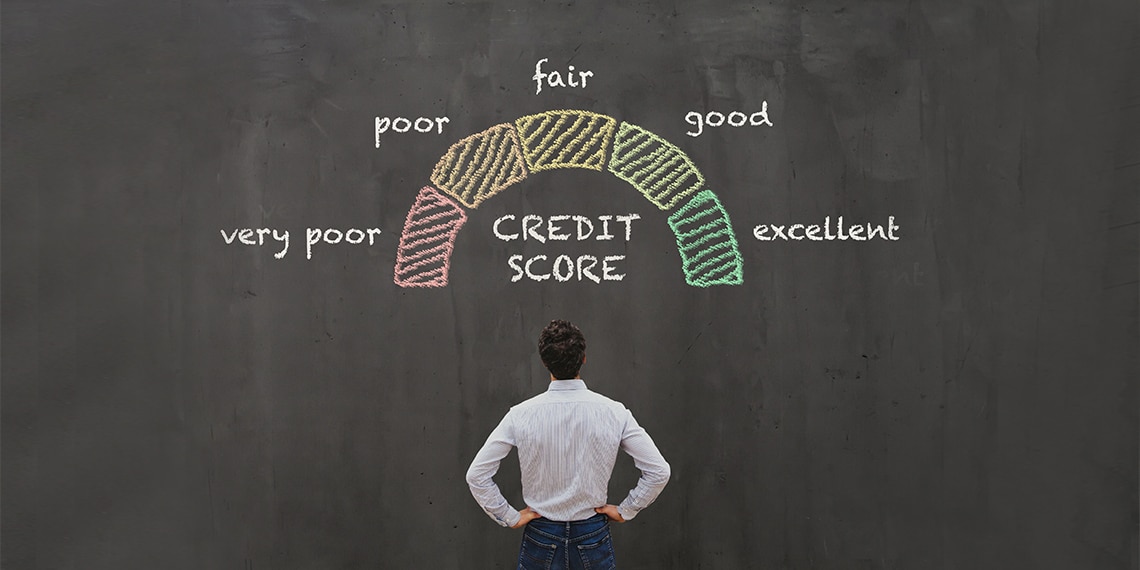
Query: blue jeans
(578,545)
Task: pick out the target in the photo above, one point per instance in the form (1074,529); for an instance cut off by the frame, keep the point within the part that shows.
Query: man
(568,438)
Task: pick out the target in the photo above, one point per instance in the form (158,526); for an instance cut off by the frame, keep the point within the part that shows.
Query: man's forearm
(484,467)
(491,499)
(650,484)
(648,459)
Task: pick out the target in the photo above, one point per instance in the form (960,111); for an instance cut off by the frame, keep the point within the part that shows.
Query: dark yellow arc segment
(565,139)
(481,165)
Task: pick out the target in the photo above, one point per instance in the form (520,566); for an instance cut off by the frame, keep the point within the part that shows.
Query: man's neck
(553,379)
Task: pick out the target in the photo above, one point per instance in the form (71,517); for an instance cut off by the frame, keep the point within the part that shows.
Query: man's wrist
(626,512)
(512,518)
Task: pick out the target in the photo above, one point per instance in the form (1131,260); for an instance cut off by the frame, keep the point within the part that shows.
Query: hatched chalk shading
(565,139)
(424,256)
(653,165)
(481,165)
(709,252)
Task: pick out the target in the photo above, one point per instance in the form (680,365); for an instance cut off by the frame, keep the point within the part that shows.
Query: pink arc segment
(424,256)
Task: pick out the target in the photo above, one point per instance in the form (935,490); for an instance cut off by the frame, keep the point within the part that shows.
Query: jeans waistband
(594,519)
(571,531)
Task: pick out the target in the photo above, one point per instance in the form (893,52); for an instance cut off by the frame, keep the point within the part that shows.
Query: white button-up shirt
(568,438)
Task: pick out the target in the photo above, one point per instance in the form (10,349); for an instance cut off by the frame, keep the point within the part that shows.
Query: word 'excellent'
(563,228)
(313,236)
(816,232)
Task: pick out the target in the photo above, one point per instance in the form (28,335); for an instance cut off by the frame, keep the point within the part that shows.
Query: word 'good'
(772,232)
(532,227)
(566,268)
(734,119)
(554,79)
(404,124)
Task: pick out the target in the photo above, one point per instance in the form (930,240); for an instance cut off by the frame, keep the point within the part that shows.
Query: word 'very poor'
(313,236)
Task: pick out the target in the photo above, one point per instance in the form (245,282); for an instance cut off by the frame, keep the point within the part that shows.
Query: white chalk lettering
(628,219)
(551,228)
(579,220)
(554,78)
(605,235)
(540,229)
(333,236)
(404,124)
(513,262)
(531,274)
(562,268)
(246,236)
(608,270)
(500,235)
(735,119)
(585,270)
(858,232)
(569,268)
(565,268)
(529,229)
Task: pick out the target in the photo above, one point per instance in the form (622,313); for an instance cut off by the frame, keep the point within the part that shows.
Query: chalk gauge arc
(486,163)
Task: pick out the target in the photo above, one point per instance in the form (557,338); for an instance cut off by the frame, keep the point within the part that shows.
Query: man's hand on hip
(611,512)
(526,515)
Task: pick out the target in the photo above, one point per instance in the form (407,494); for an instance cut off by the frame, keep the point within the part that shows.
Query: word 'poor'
(404,124)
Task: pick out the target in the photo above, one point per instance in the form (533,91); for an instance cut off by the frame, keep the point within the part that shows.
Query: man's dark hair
(562,349)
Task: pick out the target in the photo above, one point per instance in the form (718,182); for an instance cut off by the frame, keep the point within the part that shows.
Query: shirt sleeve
(484,467)
(648,459)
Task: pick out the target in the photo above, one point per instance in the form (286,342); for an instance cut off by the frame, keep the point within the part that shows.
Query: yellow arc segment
(565,139)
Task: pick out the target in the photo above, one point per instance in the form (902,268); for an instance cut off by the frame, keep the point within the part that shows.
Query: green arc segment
(485,163)
(708,248)
(659,170)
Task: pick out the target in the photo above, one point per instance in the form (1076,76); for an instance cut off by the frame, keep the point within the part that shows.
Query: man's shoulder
(535,399)
(598,396)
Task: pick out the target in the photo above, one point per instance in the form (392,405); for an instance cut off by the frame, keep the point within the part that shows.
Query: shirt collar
(575,384)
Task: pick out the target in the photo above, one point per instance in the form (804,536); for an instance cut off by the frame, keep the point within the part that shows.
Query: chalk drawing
(709,253)
(424,256)
(554,79)
(565,139)
(485,163)
(422,125)
(659,170)
(480,165)
(735,119)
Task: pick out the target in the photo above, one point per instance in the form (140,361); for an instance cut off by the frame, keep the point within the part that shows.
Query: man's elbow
(661,475)
(474,479)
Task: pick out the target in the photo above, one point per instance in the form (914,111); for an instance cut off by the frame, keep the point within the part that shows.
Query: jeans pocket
(535,554)
(599,555)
